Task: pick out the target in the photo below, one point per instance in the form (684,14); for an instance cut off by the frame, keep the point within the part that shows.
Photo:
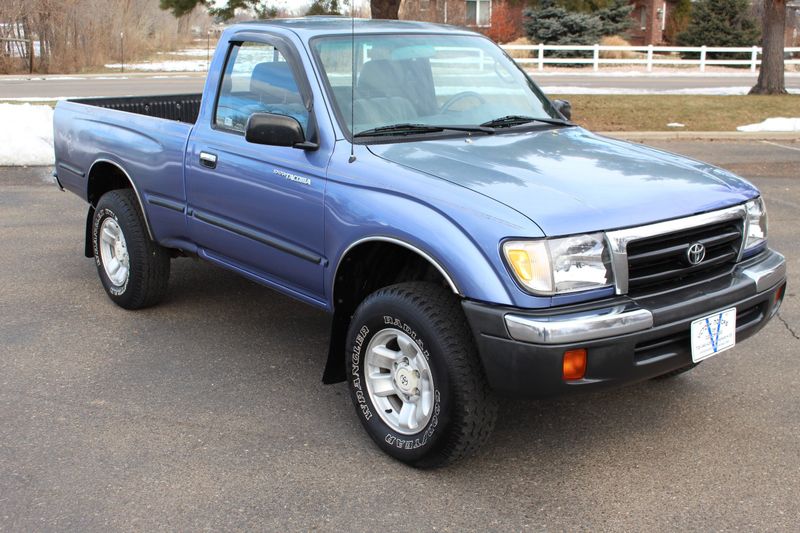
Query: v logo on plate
(714,337)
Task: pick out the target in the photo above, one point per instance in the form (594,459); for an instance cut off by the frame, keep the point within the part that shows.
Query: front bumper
(627,340)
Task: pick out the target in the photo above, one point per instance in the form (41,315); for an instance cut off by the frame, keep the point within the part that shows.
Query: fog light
(574,364)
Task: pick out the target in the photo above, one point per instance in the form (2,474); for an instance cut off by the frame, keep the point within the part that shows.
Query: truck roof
(307,27)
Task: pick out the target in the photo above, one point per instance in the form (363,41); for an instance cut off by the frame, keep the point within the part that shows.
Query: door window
(257,79)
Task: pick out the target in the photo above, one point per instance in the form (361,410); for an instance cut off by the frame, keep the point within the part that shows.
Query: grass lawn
(653,112)
(698,113)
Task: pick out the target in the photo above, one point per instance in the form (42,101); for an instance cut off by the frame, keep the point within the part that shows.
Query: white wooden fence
(649,55)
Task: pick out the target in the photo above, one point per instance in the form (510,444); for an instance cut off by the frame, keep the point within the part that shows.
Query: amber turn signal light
(574,364)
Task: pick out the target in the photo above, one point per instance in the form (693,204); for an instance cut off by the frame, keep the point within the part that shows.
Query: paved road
(144,84)
(207,412)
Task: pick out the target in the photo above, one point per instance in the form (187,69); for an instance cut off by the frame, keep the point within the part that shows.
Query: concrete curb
(103,75)
(703,135)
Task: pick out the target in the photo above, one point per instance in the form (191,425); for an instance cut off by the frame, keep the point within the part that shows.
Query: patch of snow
(712,91)
(774,124)
(28,145)
(192,52)
(676,125)
(164,66)
(42,98)
(656,73)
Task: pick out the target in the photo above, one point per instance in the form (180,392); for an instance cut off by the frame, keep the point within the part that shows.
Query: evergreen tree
(720,23)
(179,8)
(324,7)
(263,9)
(584,6)
(550,23)
(616,18)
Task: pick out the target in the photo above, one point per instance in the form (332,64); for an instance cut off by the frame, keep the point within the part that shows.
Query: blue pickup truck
(466,237)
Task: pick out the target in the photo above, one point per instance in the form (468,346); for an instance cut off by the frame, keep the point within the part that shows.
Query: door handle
(208,160)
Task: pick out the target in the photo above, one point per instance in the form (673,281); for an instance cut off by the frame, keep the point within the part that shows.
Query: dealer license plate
(713,334)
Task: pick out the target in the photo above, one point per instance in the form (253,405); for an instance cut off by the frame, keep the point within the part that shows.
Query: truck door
(254,208)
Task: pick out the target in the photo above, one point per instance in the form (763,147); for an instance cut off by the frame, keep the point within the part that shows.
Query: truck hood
(569,180)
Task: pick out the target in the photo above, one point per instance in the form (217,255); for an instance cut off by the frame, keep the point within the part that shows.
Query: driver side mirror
(276,130)
(563,107)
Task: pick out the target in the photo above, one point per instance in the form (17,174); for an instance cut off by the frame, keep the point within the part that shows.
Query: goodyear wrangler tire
(133,269)
(415,378)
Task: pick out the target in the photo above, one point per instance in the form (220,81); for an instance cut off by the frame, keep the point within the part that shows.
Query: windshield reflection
(425,80)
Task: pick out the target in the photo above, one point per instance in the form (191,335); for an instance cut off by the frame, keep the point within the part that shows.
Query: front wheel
(415,378)
(134,270)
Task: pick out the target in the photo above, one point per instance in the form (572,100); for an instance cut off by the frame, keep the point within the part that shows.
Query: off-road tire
(148,276)
(464,410)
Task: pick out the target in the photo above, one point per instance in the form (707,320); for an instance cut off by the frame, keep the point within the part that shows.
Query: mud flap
(335,368)
(88,249)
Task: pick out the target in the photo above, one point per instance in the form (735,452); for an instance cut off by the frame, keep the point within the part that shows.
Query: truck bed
(144,137)
(180,107)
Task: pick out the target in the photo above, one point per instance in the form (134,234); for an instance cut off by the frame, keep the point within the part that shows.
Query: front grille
(659,264)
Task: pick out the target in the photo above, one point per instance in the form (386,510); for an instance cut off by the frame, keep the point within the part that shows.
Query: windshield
(425,80)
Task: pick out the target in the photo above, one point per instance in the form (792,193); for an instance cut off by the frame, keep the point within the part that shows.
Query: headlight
(556,266)
(756,225)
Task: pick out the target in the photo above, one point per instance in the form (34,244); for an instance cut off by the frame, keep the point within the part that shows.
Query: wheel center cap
(406,380)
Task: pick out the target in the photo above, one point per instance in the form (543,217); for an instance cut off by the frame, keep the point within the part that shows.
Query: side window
(257,79)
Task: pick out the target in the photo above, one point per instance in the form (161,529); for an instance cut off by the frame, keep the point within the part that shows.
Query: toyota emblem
(695,253)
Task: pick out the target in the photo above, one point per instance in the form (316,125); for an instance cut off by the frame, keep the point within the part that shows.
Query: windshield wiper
(411,129)
(516,120)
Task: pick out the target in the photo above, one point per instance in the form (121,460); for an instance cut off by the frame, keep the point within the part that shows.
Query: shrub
(522,54)
(506,22)
(677,20)
(616,40)
(720,23)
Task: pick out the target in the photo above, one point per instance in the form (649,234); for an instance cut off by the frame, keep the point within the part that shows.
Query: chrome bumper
(621,319)
(579,327)
(766,273)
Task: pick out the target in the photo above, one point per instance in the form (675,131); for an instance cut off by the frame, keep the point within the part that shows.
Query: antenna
(352,81)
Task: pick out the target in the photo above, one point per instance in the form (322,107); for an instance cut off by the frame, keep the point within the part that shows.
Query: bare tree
(71,35)
(771,75)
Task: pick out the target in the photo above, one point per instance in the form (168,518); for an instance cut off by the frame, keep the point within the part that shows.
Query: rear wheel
(415,378)
(133,269)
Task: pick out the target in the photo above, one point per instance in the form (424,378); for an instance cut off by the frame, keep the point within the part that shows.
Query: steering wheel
(460,96)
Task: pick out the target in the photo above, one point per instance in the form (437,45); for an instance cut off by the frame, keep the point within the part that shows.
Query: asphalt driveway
(207,412)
